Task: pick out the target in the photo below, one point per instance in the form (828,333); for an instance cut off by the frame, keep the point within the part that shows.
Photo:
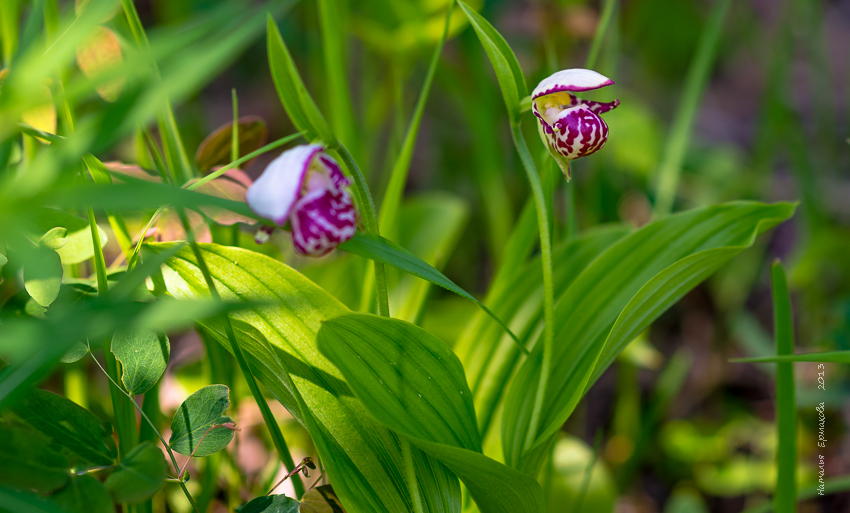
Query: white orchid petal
(575,80)
(274,193)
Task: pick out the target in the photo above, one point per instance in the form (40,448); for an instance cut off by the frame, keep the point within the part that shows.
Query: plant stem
(395,189)
(785,500)
(548,286)
(601,30)
(367,211)
(271,423)
(155,430)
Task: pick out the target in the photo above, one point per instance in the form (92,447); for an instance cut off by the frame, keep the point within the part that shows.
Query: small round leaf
(195,420)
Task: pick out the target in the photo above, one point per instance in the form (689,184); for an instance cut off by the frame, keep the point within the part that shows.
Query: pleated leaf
(413,383)
(615,298)
(362,458)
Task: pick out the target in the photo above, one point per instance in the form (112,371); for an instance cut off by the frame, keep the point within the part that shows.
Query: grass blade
(680,132)
(785,499)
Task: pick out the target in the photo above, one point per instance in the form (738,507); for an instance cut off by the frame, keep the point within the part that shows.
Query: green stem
(548,286)
(601,30)
(236,163)
(120,390)
(785,500)
(234,133)
(395,189)
(367,211)
(125,421)
(271,423)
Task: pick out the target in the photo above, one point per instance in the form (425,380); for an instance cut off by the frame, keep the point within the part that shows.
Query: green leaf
(84,494)
(824,357)
(489,357)
(413,383)
(77,352)
(27,461)
(43,275)
(614,299)
(198,413)
(362,458)
(377,248)
(215,149)
(507,68)
(3,260)
(406,377)
(321,499)
(54,238)
(293,94)
(143,356)
(139,475)
(77,245)
(270,504)
(67,424)
(431,226)
(785,498)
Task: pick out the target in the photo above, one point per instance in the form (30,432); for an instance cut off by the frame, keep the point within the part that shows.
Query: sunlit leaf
(321,499)
(76,245)
(143,356)
(413,383)
(43,275)
(270,504)
(360,456)
(43,116)
(97,54)
(192,428)
(617,297)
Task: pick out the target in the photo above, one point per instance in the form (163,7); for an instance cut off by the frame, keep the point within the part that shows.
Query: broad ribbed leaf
(617,297)
(362,458)
(413,383)
(505,64)
(488,356)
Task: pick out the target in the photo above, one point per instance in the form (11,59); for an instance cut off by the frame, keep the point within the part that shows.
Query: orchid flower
(570,127)
(306,188)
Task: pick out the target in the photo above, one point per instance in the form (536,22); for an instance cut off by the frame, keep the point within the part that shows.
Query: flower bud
(305,188)
(570,127)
